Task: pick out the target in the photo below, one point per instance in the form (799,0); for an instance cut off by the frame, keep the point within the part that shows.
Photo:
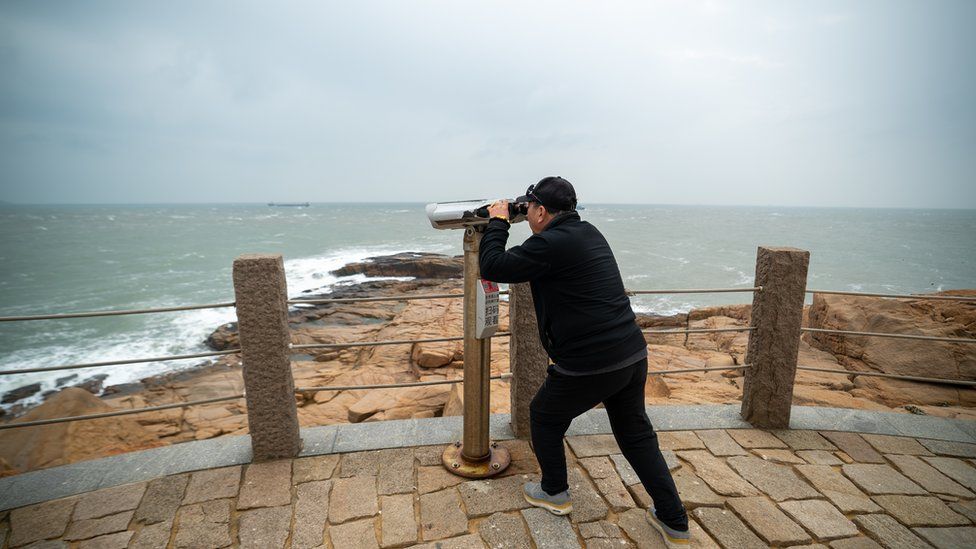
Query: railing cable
(892,376)
(115,313)
(897,296)
(116,362)
(895,336)
(700,330)
(385,342)
(694,291)
(118,412)
(506,375)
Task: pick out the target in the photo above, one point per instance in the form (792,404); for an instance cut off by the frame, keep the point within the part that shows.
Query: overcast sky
(760,103)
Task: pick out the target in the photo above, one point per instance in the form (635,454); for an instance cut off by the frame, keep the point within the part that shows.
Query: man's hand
(499,208)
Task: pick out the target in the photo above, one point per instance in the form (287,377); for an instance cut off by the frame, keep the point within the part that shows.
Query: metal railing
(90,314)
(897,296)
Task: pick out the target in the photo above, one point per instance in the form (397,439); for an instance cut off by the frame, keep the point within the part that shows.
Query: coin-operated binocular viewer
(475,456)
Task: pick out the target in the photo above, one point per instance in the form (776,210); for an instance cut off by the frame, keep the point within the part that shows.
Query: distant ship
(289,205)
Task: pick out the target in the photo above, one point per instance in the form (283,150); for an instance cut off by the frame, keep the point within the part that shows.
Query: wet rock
(419,265)
(21,393)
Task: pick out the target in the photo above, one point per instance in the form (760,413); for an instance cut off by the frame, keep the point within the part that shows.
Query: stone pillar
(528,360)
(777,311)
(262,317)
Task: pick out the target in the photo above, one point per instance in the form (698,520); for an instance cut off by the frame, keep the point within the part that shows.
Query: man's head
(547,199)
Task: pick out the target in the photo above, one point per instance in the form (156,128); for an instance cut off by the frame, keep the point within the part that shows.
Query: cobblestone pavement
(742,488)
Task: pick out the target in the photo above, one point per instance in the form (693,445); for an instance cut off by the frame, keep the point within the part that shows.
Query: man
(588,328)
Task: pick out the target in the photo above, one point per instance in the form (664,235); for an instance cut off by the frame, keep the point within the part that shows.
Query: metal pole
(477,359)
(475,456)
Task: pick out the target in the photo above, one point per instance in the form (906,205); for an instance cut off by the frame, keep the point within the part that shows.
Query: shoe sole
(668,540)
(560,510)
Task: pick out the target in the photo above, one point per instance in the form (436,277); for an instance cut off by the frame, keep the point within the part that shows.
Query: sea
(73,258)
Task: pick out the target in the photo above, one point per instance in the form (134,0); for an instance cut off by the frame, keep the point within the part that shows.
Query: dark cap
(554,192)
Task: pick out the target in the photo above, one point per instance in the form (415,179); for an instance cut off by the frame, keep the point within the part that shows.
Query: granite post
(262,318)
(777,311)
(528,359)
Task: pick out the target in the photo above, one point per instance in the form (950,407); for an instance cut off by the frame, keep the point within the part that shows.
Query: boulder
(21,392)
(415,264)
(400,403)
(437,355)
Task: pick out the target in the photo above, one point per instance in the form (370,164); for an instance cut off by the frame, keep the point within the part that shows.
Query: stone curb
(86,476)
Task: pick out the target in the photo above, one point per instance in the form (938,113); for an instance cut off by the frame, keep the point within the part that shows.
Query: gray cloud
(827,103)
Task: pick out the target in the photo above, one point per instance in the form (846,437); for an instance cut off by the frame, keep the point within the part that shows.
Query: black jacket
(585,319)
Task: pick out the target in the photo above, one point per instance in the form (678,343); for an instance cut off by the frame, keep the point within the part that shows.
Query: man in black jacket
(598,351)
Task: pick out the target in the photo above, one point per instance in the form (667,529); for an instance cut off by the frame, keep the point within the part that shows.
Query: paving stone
(634,523)
(860,542)
(152,536)
(109,501)
(615,493)
(118,540)
(719,443)
(694,492)
(804,440)
(352,498)
(755,438)
(671,459)
(946,538)
(49,544)
(888,532)
(928,477)
(204,524)
(777,481)
(949,448)
(441,515)
(429,455)
(717,474)
(599,467)
(362,464)
(887,444)
(599,529)
(813,546)
(265,527)
(835,487)
(90,528)
(469,541)
(880,479)
(162,499)
(314,468)
(549,531)
(587,503)
(625,471)
(607,543)
(504,531)
(396,474)
(965,508)
(726,528)
(213,484)
(641,497)
(956,469)
(700,539)
(496,495)
(434,478)
(854,446)
(820,518)
(768,521)
(360,534)
(399,526)
(679,440)
(779,456)
(311,514)
(819,457)
(266,484)
(920,511)
(38,522)
(593,445)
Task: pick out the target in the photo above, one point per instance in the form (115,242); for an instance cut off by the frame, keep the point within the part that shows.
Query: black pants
(561,398)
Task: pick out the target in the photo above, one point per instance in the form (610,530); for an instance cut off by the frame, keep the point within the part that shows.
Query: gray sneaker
(559,504)
(672,538)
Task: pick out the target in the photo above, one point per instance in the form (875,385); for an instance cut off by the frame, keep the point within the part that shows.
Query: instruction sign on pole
(486,323)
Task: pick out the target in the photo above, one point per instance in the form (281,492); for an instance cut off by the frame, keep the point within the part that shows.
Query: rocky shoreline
(38,447)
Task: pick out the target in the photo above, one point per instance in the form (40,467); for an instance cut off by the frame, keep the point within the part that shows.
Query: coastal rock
(20,393)
(899,356)
(437,355)
(224,338)
(419,265)
(61,443)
